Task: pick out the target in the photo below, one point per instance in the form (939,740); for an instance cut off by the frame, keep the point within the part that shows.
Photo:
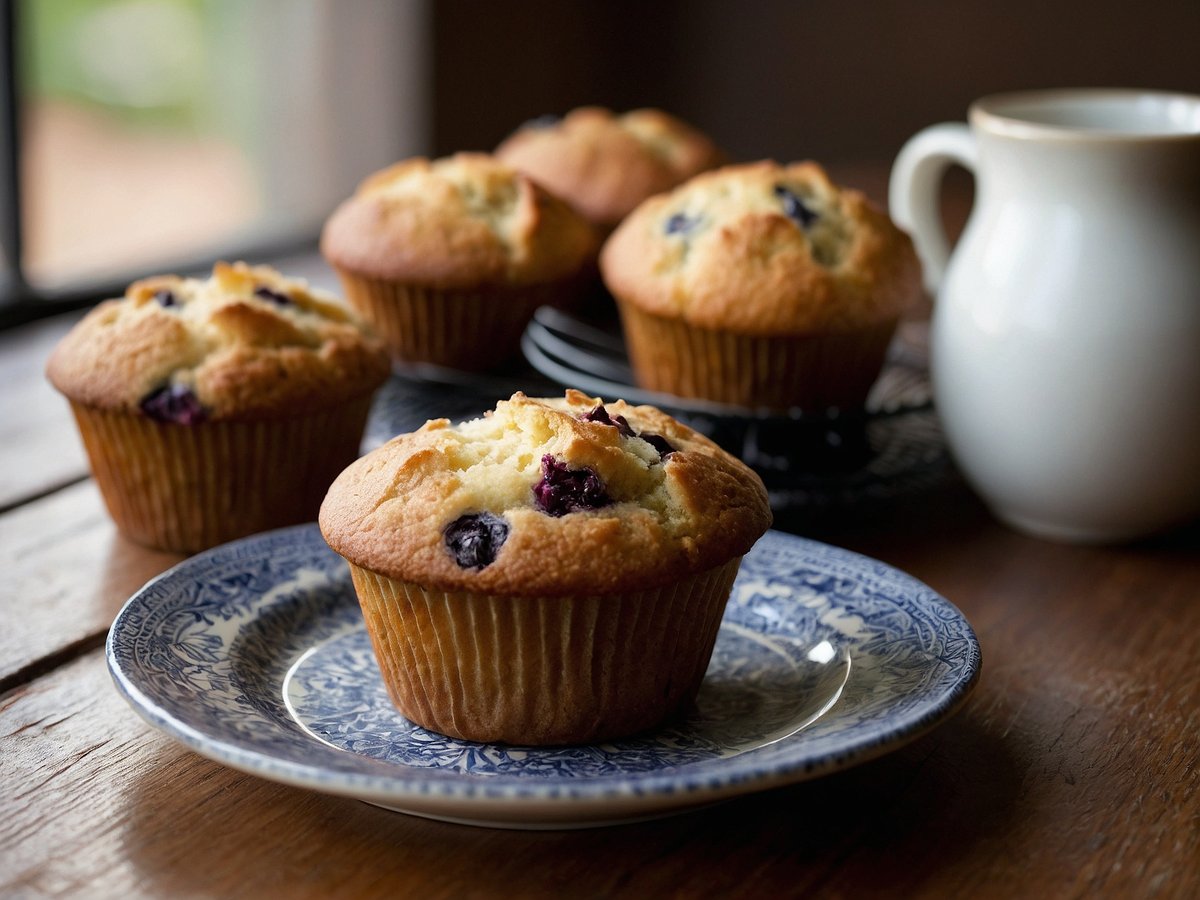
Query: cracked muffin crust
(449,258)
(247,343)
(554,572)
(661,517)
(761,285)
(459,221)
(605,164)
(212,409)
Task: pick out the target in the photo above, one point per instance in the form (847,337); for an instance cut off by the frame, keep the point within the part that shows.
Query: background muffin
(554,572)
(604,164)
(761,285)
(214,409)
(449,258)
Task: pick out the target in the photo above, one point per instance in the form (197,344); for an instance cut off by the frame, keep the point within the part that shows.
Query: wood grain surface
(65,574)
(39,447)
(1071,771)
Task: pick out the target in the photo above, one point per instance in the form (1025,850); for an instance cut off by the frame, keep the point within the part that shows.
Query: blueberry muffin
(763,286)
(211,409)
(554,572)
(604,164)
(449,259)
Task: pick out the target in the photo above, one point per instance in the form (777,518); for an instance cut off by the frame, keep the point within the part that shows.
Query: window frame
(23,301)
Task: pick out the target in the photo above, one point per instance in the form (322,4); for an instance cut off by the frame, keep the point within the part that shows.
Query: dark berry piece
(475,539)
(166,298)
(265,293)
(564,490)
(174,403)
(600,414)
(680,223)
(659,443)
(794,208)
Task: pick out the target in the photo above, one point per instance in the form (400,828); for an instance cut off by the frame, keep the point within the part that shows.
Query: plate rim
(586,800)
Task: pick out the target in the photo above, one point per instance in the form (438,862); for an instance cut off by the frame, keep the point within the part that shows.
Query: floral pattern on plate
(255,655)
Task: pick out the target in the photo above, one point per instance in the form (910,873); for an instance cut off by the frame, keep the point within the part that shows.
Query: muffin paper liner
(813,372)
(188,487)
(469,329)
(543,670)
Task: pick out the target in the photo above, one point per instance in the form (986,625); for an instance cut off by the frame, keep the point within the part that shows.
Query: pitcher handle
(913,191)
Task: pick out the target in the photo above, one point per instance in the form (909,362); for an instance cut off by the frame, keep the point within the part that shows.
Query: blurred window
(156,135)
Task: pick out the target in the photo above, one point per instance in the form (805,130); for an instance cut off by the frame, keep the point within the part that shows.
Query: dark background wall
(823,79)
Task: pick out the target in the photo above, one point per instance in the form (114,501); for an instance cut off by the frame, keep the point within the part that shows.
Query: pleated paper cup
(543,670)
(471,329)
(812,372)
(185,488)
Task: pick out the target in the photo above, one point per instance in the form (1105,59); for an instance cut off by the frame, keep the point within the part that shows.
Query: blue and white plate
(254,654)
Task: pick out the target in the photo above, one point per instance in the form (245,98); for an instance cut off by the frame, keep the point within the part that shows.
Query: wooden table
(1071,771)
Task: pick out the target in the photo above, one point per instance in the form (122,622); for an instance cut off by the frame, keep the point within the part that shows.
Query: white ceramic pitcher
(1065,346)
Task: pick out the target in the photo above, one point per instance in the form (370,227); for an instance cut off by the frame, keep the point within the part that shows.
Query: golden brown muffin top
(246,343)
(764,249)
(549,497)
(604,164)
(455,222)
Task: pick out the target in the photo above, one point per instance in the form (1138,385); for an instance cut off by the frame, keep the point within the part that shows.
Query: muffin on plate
(212,409)
(605,164)
(763,286)
(552,573)
(449,258)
